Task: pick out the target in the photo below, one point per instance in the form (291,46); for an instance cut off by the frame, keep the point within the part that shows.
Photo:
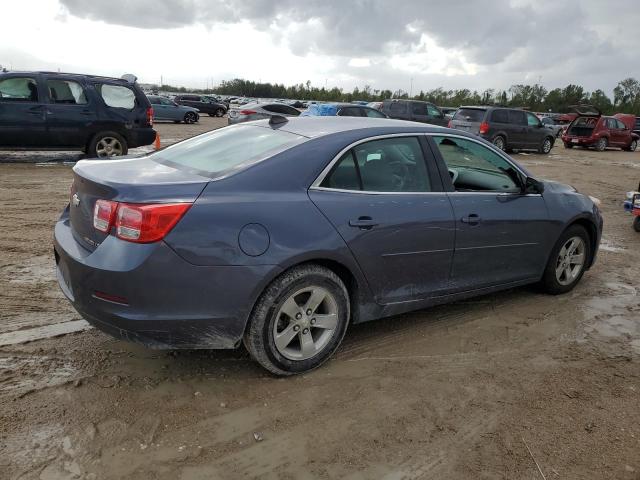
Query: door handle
(363,223)
(472,219)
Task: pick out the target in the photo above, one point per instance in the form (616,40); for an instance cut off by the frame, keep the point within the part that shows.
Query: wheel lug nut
(309,312)
(296,328)
(313,321)
(305,331)
(298,316)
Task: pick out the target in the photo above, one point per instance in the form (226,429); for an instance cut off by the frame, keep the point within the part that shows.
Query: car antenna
(277,120)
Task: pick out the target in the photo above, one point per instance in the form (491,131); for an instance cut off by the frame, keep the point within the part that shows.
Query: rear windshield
(220,152)
(469,115)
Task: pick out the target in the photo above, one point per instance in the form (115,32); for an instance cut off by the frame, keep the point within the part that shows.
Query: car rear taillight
(484,128)
(247,112)
(104,214)
(138,222)
(150,116)
(147,223)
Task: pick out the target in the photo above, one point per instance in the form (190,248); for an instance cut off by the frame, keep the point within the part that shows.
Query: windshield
(223,151)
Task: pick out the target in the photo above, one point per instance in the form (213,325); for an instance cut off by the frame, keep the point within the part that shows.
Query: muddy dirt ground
(507,386)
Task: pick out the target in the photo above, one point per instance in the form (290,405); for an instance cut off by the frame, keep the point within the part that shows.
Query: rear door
(385,198)
(500,231)
(70,114)
(517,129)
(22,114)
(419,112)
(618,132)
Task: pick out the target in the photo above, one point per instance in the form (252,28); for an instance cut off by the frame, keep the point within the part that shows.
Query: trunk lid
(133,180)
(586,110)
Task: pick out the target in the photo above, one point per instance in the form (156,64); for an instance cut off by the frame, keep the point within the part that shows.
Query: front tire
(567,262)
(632,146)
(190,117)
(298,321)
(219,112)
(546,145)
(107,144)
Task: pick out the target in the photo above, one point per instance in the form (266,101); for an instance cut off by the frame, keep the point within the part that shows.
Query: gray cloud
(518,38)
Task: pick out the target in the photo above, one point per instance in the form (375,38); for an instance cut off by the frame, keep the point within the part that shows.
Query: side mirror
(531,185)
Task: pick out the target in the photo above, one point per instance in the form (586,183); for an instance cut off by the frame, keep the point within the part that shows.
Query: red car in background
(591,129)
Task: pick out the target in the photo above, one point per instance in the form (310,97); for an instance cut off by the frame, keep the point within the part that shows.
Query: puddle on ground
(615,313)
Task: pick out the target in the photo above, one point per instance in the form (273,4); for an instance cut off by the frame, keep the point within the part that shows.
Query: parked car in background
(203,103)
(448,111)
(101,116)
(554,125)
(414,110)
(281,236)
(342,110)
(592,129)
(376,105)
(259,111)
(166,109)
(636,126)
(507,128)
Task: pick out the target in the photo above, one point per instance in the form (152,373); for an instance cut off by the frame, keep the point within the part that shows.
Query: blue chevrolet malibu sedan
(280,234)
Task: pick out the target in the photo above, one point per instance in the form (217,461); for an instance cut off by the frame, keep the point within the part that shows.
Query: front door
(500,231)
(536,131)
(22,115)
(386,201)
(69,114)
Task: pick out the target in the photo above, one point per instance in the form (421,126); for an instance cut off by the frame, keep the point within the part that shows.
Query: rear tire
(601,145)
(270,320)
(500,142)
(107,144)
(565,267)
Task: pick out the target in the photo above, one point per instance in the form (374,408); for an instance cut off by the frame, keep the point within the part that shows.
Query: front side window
(620,125)
(517,117)
(370,112)
(532,120)
(227,149)
(474,167)
(66,92)
(388,165)
(117,96)
(18,89)
(349,112)
(418,109)
(433,111)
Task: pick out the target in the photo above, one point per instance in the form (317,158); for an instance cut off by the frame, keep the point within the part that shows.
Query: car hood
(557,187)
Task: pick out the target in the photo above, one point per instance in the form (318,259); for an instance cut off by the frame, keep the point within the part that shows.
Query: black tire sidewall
(550,145)
(636,224)
(219,110)
(504,142)
(263,349)
(549,281)
(91,150)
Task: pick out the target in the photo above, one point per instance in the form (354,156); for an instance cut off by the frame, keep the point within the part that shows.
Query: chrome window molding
(318,181)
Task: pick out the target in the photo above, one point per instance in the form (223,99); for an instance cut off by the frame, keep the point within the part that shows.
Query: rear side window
(500,116)
(470,114)
(227,149)
(18,89)
(398,107)
(117,96)
(517,117)
(370,112)
(67,92)
(344,175)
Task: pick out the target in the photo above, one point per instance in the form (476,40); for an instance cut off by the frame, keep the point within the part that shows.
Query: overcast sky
(449,43)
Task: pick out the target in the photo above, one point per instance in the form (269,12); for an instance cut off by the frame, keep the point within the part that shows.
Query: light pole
(411,89)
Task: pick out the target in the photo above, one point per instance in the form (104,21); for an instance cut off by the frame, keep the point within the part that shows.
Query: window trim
(448,184)
(316,185)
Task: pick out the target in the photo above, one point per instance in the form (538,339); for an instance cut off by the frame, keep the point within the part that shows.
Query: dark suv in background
(414,110)
(203,103)
(507,128)
(101,116)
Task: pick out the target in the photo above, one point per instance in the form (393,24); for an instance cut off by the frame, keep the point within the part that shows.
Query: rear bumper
(582,141)
(156,298)
(139,137)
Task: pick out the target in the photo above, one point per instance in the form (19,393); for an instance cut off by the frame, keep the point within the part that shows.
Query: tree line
(626,95)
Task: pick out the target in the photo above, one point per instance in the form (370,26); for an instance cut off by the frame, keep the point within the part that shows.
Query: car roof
(313,127)
(65,74)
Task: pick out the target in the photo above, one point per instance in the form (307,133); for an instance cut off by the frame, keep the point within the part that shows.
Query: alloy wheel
(633,146)
(305,323)
(499,142)
(546,146)
(219,112)
(570,261)
(108,147)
